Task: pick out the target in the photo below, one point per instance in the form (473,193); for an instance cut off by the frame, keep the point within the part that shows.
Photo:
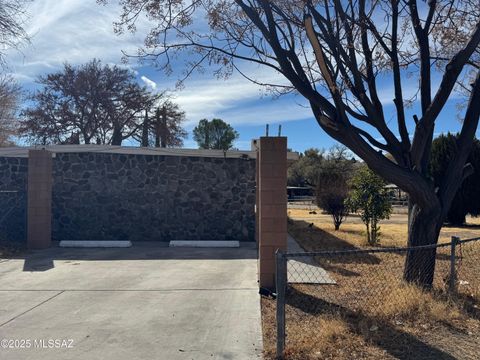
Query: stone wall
(13,199)
(149,197)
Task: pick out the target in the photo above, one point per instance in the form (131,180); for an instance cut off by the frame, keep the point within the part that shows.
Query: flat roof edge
(22,152)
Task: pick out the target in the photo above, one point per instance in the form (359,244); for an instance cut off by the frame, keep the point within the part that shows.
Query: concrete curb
(96,243)
(204,243)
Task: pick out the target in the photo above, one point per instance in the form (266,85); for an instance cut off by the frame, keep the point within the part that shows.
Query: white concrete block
(96,243)
(204,243)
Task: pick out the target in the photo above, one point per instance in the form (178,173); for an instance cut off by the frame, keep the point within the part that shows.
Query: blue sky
(78,30)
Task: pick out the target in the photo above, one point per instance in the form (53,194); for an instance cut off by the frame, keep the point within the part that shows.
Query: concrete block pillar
(39,207)
(254,147)
(272,205)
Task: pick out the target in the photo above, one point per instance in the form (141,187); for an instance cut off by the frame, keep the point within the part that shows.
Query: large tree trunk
(369,239)
(145,129)
(163,131)
(374,231)
(456,214)
(424,229)
(336,222)
(157,128)
(117,137)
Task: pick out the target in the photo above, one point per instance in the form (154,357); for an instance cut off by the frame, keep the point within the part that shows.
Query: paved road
(145,302)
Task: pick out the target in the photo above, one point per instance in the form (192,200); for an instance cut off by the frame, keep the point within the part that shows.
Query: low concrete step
(96,243)
(204,243)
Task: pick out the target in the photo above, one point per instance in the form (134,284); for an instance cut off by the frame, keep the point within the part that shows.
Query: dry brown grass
(393,230)
(332,338)
(371,313)
(406,301)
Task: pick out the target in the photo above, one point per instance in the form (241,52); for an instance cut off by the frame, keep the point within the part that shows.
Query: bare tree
(92,103)
(162,127)
(10,94)
(11,34)
(11,28)
(336,54)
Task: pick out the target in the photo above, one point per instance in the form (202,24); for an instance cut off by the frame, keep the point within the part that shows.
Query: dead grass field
(371,313)
(393,231)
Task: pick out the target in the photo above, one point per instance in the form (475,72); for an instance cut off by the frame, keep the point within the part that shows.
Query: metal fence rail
(368,285)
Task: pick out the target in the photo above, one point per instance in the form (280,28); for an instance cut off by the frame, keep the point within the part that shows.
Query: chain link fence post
(281,285)
(452,285)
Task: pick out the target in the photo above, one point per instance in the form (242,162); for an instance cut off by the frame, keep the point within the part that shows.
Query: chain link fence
(467,267)
(326,299)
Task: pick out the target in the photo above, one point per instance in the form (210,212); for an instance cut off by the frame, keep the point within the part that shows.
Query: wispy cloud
(73,31)
(239,101)
(150,83)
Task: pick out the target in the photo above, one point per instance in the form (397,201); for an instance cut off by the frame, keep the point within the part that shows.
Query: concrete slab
(304,269)
(205,243)
(145,302)
(95,243)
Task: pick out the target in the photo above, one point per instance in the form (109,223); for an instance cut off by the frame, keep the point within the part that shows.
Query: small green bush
(370,199)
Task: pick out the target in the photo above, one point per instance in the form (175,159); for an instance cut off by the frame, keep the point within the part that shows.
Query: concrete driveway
(145,302)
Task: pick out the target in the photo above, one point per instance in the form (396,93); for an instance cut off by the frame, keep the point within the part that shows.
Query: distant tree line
(328,173)
(343,185)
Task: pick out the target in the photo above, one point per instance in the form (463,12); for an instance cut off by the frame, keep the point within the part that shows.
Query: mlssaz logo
(53,343)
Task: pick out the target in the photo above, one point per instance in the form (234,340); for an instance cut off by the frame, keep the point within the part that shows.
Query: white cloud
(237,100)
(73,31)
(209,98)
(150,83)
